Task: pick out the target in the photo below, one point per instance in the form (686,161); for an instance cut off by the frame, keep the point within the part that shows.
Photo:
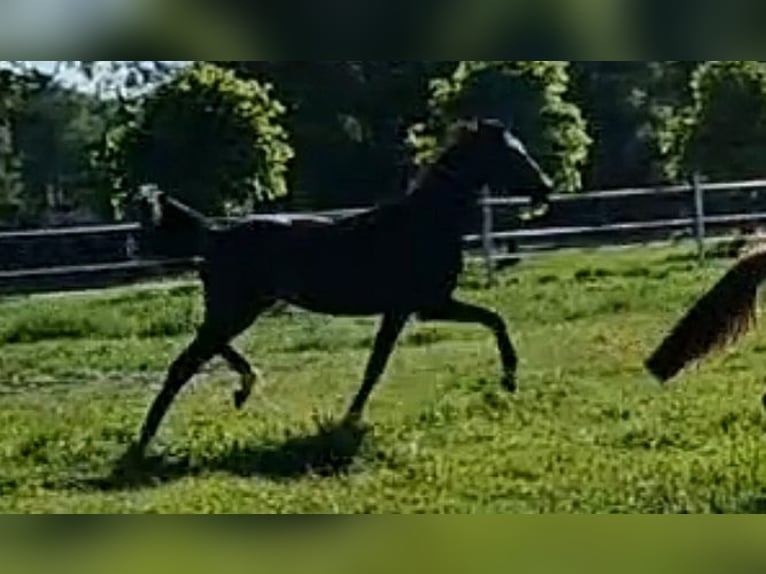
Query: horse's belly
(330,291)
(368,290)
(346,275)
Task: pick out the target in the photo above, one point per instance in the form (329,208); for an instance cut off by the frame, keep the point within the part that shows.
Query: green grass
(589,431)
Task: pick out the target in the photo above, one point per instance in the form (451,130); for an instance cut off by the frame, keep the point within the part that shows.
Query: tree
(56,130)
(348,120)
(15,86)
(210,138)
(623,102)
(10,173)
(49,130)
(530,96)
(720,133)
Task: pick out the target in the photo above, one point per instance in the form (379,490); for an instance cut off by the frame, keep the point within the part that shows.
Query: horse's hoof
(240,398)
(133,456)
(509,383)
(352,420)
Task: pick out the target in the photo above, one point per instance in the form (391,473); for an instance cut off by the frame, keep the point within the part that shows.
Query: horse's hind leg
(207,343)
(235,310)
(212,338)
(388,333)
(248,375)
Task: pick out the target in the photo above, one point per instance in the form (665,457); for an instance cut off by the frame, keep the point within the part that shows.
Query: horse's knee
(497,324)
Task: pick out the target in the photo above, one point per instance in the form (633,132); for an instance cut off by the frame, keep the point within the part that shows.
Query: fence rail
(696,222)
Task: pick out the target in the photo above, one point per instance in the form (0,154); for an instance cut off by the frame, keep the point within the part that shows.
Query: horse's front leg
(465,313)
(389,332)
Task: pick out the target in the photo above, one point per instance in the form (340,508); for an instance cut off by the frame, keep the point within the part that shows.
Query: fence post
(699,215)
(131,247)
(487,229)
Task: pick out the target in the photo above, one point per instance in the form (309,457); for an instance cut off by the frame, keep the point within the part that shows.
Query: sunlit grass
(588,431)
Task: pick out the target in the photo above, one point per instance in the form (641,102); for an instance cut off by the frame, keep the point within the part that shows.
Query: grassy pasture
(589,431)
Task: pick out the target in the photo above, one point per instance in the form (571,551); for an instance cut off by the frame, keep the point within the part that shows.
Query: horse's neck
(448,189)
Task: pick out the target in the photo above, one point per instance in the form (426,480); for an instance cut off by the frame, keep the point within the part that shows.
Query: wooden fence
(702,224)
(695,211)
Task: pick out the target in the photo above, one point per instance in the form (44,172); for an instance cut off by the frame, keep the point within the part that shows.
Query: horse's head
(506,163)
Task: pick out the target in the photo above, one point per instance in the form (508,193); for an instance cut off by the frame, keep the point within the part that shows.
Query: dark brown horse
(396,261)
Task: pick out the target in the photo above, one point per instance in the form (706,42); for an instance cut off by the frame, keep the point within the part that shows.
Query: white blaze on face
(513,143)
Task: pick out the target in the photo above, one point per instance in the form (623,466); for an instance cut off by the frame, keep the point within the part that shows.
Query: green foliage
(10,175)
(12,90)
(209,137)
(348,122)
(531,96)
(347,119)
(622,102)
(720,134)
(55,132)
(46,135)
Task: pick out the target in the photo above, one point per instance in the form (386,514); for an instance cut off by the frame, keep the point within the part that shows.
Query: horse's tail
(184,213)
(718,319)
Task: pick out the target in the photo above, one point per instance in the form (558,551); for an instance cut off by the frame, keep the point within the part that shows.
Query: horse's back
(360,264)
(287,219)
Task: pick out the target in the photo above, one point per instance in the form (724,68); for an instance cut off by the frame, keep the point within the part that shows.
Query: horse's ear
(469,125)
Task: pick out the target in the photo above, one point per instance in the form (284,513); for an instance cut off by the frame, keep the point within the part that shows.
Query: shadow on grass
(331,451)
